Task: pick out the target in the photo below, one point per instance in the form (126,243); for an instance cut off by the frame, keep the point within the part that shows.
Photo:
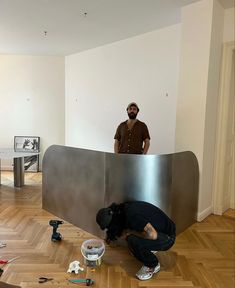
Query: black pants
(141,248)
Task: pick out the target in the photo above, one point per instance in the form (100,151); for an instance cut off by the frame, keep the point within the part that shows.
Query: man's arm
(116,146)
(146,146)
(148,233)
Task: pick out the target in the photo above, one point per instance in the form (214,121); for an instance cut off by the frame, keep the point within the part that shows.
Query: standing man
(146,229)
(132,135)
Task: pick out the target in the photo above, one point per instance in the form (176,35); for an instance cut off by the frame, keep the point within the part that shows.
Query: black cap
(104,217)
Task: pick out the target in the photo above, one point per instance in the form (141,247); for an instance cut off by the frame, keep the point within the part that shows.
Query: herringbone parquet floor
(203,255)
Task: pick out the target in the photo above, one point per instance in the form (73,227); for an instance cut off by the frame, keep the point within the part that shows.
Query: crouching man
(145,227)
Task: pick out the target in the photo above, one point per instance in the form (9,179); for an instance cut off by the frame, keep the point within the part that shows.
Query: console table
(9,153)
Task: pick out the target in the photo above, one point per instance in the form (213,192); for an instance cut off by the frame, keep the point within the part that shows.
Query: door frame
(219,205)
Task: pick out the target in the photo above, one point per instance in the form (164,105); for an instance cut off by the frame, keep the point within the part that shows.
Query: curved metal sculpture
(78,182)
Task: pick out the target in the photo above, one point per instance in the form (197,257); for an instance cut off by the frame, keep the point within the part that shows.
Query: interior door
(229,171)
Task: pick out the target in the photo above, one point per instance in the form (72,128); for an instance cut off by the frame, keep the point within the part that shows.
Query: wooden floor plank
(203,255)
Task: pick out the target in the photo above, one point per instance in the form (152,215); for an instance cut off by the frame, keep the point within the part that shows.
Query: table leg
(19,172)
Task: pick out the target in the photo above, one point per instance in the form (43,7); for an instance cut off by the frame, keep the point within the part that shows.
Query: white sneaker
(146,273)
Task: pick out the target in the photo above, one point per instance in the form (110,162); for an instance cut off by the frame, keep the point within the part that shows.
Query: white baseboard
(218,210)
(202,215)
(224,206)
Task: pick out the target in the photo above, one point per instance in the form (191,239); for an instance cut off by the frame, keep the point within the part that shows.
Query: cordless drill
(56,236)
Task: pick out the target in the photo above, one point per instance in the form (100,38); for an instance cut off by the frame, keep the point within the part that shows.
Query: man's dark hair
(104,217)
(117,223)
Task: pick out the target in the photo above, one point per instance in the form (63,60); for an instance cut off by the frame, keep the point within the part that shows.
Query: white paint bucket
(92,250)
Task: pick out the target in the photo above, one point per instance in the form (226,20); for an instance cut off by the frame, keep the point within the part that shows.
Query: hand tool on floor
(56,236)
(87,282)
(5,262)
(44,279)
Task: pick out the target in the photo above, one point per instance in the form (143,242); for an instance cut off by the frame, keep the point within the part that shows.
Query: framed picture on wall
(27,144)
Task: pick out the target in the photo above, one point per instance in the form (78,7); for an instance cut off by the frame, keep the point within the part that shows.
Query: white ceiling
(63,27)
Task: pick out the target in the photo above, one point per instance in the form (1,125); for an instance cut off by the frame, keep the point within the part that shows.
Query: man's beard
(132,115)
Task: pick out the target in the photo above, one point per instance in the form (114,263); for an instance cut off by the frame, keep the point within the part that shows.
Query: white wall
(194,64)
(102,81)
(229,25)
(202,32)
(31,99)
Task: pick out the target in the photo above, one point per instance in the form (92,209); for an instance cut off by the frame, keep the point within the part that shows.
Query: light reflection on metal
(78,182)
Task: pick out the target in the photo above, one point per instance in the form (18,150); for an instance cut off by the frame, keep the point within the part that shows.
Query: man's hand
(146,146)
(108,241)
(116,146)
(126,233)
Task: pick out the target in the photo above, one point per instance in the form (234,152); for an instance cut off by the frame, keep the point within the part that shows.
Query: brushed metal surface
(73,185)
(138,177)
(78,182)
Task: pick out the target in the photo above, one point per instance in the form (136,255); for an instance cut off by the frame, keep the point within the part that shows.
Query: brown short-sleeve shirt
(131,140)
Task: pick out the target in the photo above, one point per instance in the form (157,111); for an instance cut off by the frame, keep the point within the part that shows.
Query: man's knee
(133,241)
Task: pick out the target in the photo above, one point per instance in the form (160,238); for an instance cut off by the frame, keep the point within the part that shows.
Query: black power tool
(56,236)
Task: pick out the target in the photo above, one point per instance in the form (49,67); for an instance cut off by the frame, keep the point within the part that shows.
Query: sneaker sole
(150,276)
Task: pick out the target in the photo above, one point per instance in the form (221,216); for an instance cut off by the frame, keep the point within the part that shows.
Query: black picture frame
(27,144)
